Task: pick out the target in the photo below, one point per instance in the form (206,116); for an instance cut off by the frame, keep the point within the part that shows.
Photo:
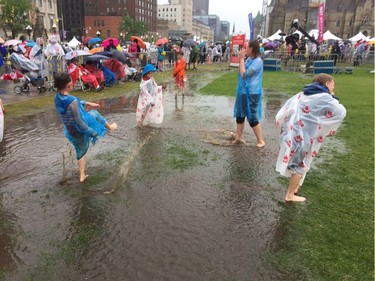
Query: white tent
(314,32)
(275,36)
(357,37)
(329,36)
(74,43)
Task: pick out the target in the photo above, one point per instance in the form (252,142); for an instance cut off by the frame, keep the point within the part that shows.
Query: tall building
(200,7)
(104,17)
(71,18)
(213,21)
(180,11)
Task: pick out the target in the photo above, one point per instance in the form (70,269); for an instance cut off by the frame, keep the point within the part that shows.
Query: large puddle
(182,208)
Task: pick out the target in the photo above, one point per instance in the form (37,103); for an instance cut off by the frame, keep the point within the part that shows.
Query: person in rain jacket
(179,73)
(38,56)
(150,109)
(305,120)
(80,127)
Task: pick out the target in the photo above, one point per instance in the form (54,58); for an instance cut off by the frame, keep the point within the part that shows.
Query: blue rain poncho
(80,126)
(249,91)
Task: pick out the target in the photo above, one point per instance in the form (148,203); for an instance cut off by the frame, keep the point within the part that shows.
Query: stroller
(29,70)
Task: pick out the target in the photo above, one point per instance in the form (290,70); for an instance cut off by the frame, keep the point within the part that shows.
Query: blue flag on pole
(251,26)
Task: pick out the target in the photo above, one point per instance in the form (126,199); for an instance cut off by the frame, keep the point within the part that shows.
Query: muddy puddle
(183,207)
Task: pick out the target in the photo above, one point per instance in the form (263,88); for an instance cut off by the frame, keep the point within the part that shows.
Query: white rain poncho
(150,94)
(305,120)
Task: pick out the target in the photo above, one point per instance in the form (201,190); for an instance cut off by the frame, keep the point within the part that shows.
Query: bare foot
(295,198)
(261,144)
(112,127)
(139,124)
(238,141)
(82,179)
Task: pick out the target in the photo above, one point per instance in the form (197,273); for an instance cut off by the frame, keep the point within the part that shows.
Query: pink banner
(321,22)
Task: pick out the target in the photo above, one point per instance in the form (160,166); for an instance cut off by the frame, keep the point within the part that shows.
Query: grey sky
(234,11)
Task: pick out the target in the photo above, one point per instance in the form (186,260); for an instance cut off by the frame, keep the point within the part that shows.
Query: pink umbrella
(12,42)
(106,42)
(161,41)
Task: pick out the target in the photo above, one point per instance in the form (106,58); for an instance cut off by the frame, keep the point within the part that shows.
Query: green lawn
(330,237)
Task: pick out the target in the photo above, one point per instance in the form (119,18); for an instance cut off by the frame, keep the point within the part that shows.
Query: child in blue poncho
(80,126)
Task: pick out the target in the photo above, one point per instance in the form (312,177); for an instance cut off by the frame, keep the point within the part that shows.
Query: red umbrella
(140,41)
(86,40)
(161,41)
(106,42)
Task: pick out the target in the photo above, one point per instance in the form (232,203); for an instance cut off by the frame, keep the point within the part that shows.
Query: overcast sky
(234,11)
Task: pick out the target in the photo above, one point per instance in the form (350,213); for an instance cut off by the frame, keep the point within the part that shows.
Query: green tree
(130,27)
(14,16)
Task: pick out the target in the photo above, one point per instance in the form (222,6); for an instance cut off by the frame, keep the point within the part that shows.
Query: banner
(251,26)
(321,22)
(238,41)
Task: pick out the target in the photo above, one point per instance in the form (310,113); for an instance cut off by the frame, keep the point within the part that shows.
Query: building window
(102,22)
(108,33)
(40,3)
(338,22)
(50,4)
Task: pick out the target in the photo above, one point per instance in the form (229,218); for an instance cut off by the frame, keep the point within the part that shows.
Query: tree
(14,16)
(131,27)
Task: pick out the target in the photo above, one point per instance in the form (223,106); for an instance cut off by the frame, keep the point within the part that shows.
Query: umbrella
(120,56)
(106,42)
(140,41)
(30,44)
(73,54)
(202,44)
(176,38)
(12,42)
(94,40)
(86,40)
(189,43)
(96,57)
(95,50)
(161,41)
(105,53)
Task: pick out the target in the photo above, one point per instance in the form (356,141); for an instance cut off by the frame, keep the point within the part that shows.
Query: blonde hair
(323,78)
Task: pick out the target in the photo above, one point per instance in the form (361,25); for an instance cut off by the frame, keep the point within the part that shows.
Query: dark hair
(180,53)
(255,48)
(62,80)
(323,78)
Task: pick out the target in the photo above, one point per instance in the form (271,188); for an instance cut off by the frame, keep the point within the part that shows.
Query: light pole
(121,37)
(29,29)
(54,27)
(98,33)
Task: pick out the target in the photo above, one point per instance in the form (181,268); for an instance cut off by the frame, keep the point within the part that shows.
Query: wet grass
(331,236)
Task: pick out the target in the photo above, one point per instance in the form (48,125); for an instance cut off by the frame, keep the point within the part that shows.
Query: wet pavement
(182,208)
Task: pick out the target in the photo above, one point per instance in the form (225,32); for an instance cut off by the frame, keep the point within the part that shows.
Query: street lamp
(121,37)
(29,29)
(54,26)
(98,33)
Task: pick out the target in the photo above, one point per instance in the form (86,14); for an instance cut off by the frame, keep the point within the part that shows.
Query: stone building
(344,18)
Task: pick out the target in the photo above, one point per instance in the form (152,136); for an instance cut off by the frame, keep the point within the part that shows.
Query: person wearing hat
(77,71)
(150,109)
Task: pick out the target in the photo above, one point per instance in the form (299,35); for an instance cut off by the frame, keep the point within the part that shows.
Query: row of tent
(326,36)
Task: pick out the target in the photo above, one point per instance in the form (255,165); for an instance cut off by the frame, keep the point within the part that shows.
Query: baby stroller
(29,71)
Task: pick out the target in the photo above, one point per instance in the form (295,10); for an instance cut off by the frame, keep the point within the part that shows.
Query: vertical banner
(251,26)
(238,41)
(321,22)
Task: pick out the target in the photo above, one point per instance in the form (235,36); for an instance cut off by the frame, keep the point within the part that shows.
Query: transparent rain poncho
(80,126)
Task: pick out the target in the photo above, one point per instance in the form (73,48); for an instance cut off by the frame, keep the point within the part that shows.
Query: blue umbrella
(202,44)
(94,40)
(73,54)
(30,44)
(189,43)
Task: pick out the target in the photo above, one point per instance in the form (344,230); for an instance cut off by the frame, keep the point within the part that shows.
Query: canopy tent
(329,36)
(275,35)
(314,33)
(357,37)
(74,43)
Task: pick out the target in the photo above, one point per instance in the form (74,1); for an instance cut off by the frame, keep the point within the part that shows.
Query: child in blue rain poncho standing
(80,127)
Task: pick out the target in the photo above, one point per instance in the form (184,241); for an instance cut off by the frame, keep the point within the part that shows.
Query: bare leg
(81,168)
(240,128)
(293,186)
(258,134)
